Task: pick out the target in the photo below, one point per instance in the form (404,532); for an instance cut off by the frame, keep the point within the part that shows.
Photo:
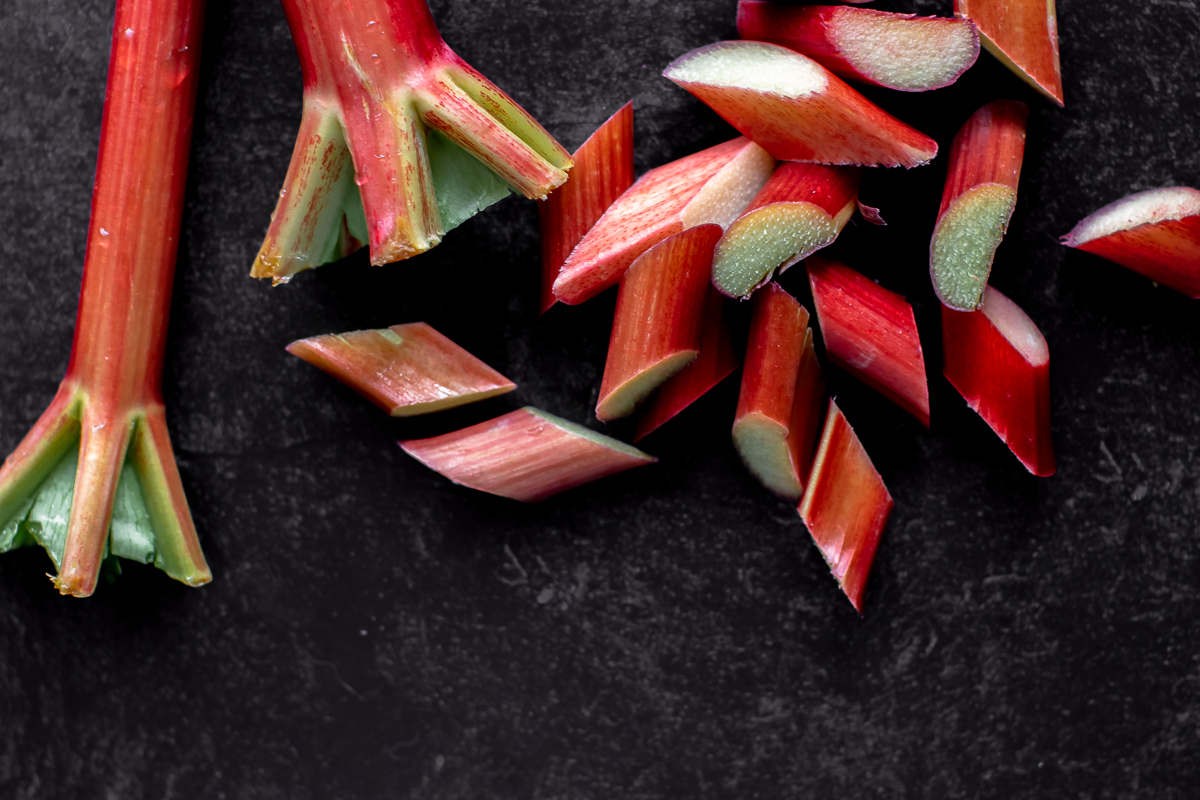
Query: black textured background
(374,631)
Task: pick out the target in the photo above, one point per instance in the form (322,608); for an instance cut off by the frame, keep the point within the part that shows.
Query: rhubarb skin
(845,506)
(802,208)
(406,370)
(526,455)
(716,361)
(1023,35)
(1155,233)
(709,187)
(658,324)
(603,171)
(897,51)
(782,395)
(795,108)
(999,362)
(871,333)
(377,77)
(977,202)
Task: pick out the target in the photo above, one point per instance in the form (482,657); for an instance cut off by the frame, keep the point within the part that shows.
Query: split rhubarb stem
(377,79)
(1023,35)
(110,404)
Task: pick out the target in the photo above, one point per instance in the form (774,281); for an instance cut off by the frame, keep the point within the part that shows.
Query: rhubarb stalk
(1023,35)
(109,407)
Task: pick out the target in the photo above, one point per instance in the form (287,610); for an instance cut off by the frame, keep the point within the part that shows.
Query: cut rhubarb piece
(659,322)
(795,108)
(717,360)
(709,187)
(977,203)
(897,51)
(782,396)
(1023,35)
(1156,233)
(406,369)
(845,506)
(367,166)
(526,455)
(802,208)
(108,413)
(603,171)
(998,361)
(871,333)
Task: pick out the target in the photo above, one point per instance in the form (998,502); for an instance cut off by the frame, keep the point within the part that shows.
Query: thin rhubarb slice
(802,208)
(658,325)
(603,171)
(526,455)
(795,108)
(845,506)
(716,361)
(378,82)
(897,51)
(977,202)
(1023,35)
(709,187)
(782,395)
(998,361)
(1155,233)
(406,369)
(871,333)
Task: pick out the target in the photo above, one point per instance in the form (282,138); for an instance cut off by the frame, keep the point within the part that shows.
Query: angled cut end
(965,241)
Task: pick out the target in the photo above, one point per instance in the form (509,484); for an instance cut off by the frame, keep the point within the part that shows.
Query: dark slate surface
(374,631)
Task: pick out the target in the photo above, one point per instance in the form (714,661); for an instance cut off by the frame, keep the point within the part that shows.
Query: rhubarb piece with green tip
(400,141)
(96,475)
(525,455)
(406,370)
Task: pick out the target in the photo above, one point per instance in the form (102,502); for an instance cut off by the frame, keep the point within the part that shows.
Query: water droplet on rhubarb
(129,33)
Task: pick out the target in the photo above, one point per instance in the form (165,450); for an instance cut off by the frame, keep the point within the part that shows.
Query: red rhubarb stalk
(712,186)
(871,333)
(110,404)
(658,324)
(1156,233)
(1023,35)
(377,78)
(998,361)
(845,506)
(603,171)
(802,208)
(526,455)
(977,202)
(795,108)
(897,51)
(406,369)
(782,396)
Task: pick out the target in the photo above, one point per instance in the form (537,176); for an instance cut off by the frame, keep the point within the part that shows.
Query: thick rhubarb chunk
(406,369)
(1023,35)
(525,455)
(1155,233)
(999,362)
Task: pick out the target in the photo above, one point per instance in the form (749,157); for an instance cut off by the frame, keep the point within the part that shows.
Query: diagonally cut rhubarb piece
(845,506)
(782,395)
(998,361)
(897,51)
(525,455)
(378,79)
(658,325)
(802,208)
(795,108)
(871,333)
(712,186)
(109,407)
(716,361)
(1023,35)
(977,202)
(406,369)
(603,171)
(1156,233)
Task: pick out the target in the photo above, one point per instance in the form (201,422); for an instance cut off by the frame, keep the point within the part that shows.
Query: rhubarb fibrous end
(756,69)
(762,444)
(1142,208)
(623,400)
(770,238)
(965,241)
(727,193)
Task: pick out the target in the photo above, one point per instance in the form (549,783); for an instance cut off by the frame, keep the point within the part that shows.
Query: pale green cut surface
(763,446)
(755,66)
(464,185)
(907,54)
(965,242)
(590,435)
(764,240)
(623,400)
